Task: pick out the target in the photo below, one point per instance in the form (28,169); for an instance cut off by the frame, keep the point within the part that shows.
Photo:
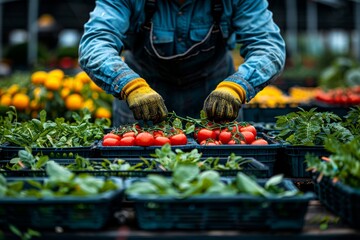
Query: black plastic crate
(253,168)
(8,151)
(295,156)
(242,211)
(266,154)
(69,212)
(341,199)
(136,151)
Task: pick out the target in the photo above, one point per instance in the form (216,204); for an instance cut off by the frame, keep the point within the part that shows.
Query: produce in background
(348,96)
(342,73)
(56,93)
(311,128)
(272,97)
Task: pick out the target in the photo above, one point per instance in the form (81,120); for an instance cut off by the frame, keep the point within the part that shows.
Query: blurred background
(39,40)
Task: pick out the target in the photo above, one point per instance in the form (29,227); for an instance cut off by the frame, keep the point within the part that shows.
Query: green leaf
(274,180)
(185,173)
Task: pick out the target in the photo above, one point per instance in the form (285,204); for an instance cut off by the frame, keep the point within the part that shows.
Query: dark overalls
(185,79)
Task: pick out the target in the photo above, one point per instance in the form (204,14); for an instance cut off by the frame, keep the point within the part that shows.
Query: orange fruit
(77,86)
(13,89)
(34,104)
(37,92)
(39,77)
(52,83)
(65,92)
(20,101)
(95,87)
(89,104)
(57,73)
(74,101)
(68,83)
(83,77)
(102,112)
(5,100)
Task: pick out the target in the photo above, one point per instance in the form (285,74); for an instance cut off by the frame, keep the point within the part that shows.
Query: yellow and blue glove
(224,103)
(145,103)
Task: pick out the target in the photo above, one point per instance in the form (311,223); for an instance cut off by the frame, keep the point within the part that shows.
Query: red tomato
(178,139)
(127,141)
(158,133)
(247,136)
(111,142)
(260,141)
(129,134)
(111,135)
(217,133)
(232,142)
(249,128)
(225,136)
(144,139)
(204,134)
(159,141)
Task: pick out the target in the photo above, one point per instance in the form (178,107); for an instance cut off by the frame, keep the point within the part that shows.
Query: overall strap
(150,8)
(216,10)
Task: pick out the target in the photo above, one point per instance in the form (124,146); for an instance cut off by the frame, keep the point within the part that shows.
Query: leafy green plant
(47,133)
(169,159)
(343,163)
(187,180)
(60,182)
(311,128)
(352,120)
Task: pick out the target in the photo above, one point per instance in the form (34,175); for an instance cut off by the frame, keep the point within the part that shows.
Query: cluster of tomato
(235,133)
(144,138)
(343,96)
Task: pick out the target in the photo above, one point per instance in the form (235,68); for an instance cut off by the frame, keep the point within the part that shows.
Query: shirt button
(180,13)
(179,39)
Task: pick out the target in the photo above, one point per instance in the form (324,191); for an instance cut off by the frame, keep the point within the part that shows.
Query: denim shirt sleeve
(101,45)
(262,46)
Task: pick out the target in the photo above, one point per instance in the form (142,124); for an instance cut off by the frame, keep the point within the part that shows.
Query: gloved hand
(224,102)
(144,102)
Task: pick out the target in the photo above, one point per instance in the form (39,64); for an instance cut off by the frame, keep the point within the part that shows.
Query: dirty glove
(224,102)
(144,102)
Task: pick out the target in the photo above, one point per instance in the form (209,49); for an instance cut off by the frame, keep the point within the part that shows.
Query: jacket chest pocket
(163,42)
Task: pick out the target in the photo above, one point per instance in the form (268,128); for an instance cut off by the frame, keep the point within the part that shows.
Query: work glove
(143,101)
(224,102)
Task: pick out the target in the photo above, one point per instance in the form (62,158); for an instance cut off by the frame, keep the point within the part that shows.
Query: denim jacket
(246,22)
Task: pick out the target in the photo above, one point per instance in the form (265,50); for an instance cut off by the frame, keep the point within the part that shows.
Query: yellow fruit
(65,92)
(68,83)
(78,86)
(37,92)
(74,101)
(5,100)
(95,87)
(13,89)
(102,112)
(20,101)
(52,83)
(89,104)
(34,104)
(57,73)
(83,77)
(39,77)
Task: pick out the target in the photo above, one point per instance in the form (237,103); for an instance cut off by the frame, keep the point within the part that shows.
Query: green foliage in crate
(343,164)
(311,128)
(61,182)
(47,133)
(187,180)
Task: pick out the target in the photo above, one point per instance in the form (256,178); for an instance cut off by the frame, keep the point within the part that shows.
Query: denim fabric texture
(114,26)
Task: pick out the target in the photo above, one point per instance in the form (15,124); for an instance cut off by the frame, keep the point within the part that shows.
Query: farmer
(177,56)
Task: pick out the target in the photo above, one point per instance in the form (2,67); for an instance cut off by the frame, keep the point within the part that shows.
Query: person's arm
(101,45)
(99,56)
(262,46)
(263,50)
